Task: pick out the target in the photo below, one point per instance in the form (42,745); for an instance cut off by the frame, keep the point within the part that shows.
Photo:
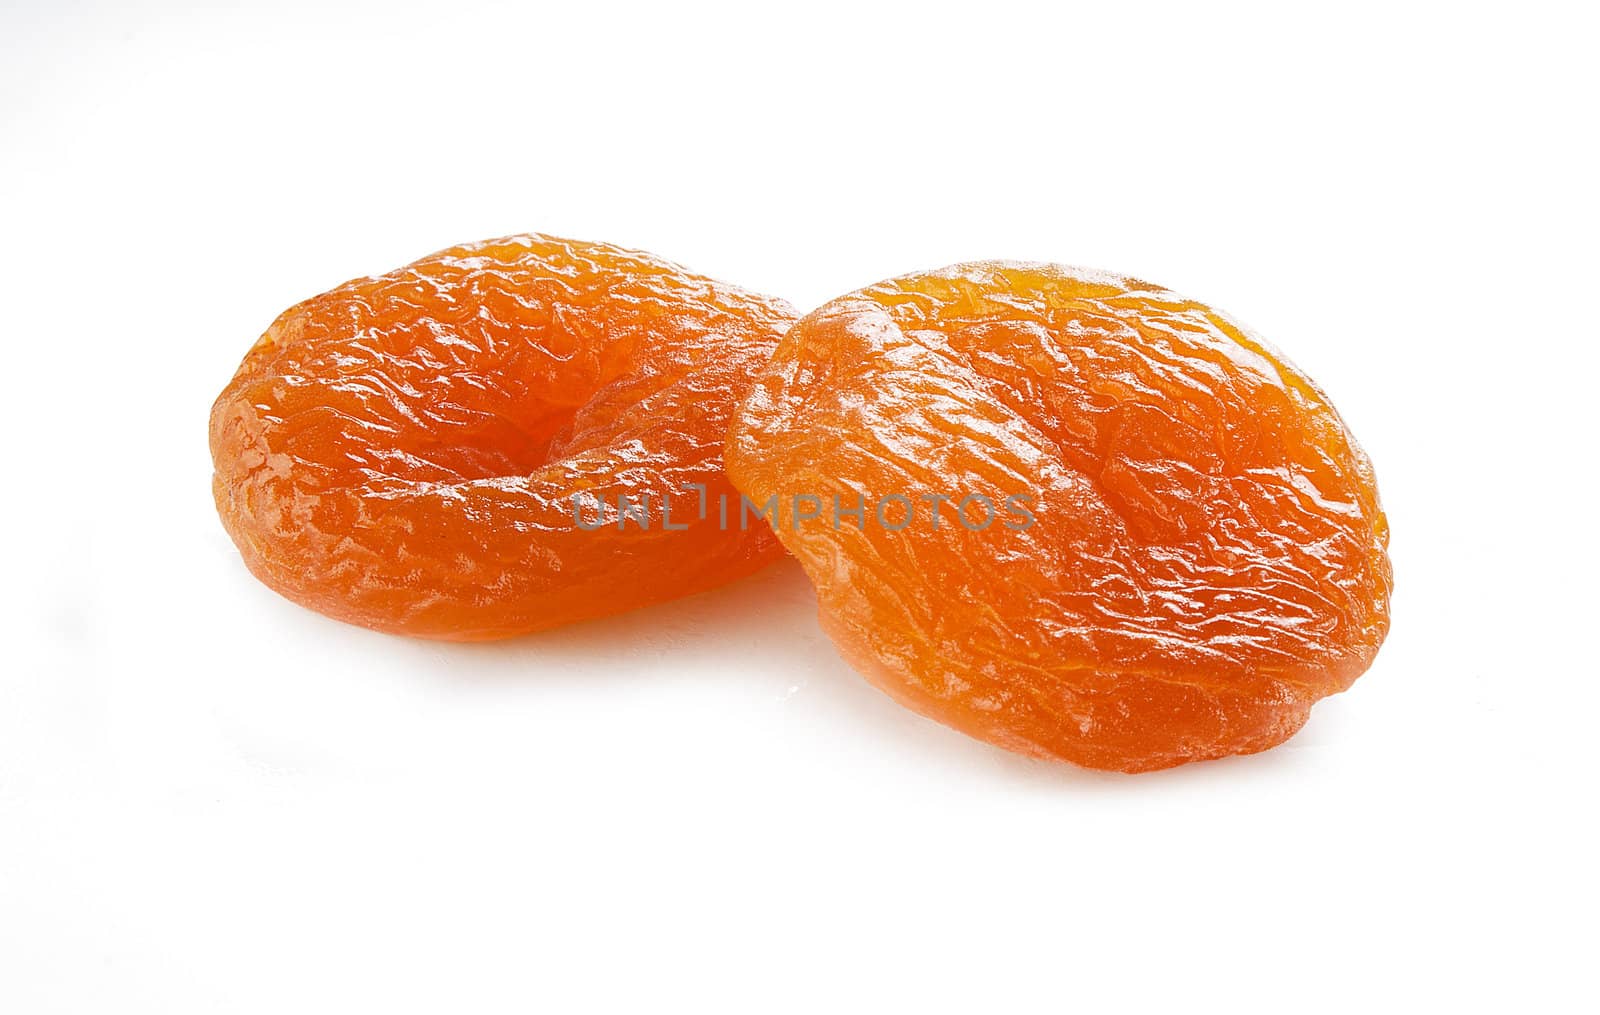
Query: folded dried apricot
(482,443)
(1070,513)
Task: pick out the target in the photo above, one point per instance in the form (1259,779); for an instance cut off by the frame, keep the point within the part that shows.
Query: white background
(214,801)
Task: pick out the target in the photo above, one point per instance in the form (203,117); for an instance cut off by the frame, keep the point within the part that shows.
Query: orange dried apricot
(403,452)
(1070,513)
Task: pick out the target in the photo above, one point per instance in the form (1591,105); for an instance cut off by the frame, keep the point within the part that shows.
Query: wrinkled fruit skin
(1208,552)
(401,452)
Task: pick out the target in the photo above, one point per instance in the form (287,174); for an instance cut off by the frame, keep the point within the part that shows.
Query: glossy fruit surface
(1184,546)
(402,452)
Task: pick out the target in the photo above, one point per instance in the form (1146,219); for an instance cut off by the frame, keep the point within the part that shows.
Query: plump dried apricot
(1070,513)
(403,452)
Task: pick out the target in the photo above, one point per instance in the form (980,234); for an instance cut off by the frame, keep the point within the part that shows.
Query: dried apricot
(1070,513)
(404,451)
